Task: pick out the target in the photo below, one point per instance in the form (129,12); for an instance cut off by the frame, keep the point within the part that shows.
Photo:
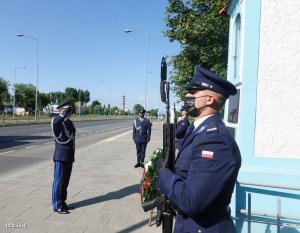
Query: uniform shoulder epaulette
(212,128)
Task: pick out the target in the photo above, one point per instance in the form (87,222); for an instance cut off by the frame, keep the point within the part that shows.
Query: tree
(203,36)
(25,96)
(95,107)
(86,96)
(71,94)
(153,112)
(4,94)
(57,97)
(44,100)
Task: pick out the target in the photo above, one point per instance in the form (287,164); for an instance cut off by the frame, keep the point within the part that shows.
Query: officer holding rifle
(207,163)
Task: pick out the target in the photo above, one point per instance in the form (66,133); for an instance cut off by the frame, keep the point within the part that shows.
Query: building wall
(268,124)
(277,127)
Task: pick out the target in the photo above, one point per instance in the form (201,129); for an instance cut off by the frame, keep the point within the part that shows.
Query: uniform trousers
(62,174)
(140,151)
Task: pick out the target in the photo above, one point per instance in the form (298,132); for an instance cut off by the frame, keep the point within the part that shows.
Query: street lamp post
(158,97)
(15,74)
(146,54)
(37,72)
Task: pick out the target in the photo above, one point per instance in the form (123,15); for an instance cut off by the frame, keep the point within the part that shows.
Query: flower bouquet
(148,183)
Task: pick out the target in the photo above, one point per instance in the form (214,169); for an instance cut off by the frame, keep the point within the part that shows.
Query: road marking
(7,152)
(115,137)
(27,147)
(47,143)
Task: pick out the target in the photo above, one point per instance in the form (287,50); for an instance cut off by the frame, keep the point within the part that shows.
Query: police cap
(142,110)
(204,79)
(65,105)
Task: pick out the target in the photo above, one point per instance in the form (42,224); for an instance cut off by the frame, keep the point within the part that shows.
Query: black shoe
(142,165)
(137,165)
(62,211)
(69,207)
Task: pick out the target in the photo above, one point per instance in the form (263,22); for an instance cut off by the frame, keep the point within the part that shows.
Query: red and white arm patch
(207,154)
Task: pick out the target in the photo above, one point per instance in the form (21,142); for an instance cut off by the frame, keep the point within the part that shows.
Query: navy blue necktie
(188,132)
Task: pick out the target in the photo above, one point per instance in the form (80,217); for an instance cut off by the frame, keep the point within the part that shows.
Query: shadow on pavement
(12,141)
(109,196)
(134,227)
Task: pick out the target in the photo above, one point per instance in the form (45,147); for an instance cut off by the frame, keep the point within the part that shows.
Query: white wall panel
(277,131)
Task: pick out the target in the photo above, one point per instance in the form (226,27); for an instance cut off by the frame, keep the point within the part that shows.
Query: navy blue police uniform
(181,128)
(64,135)
(206,168)
(141,136)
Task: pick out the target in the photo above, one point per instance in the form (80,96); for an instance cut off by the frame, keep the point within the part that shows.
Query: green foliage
(149,178)
(25,95)
(71,94)
(4,94)
(43,100)
(86,96)
(203,36)
(152,112)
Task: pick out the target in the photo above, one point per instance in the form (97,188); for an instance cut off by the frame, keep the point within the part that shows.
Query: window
(237,49)
(233,108)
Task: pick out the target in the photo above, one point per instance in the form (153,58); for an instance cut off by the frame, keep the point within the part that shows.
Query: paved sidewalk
(104,189)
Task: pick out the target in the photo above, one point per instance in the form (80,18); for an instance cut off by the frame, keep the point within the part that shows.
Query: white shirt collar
(200,121)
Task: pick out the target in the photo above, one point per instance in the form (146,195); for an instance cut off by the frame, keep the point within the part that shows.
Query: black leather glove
(66,112)
(69,110)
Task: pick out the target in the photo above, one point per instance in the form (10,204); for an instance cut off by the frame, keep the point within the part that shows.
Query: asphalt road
(23,146)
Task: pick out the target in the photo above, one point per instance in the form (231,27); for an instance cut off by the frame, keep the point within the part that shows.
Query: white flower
(147,165)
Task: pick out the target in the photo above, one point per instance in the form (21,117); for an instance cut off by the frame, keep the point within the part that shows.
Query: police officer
(208,161)
(182,126)
(141,136)
(64,135)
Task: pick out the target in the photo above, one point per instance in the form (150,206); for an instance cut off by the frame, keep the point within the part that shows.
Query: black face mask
(189,104)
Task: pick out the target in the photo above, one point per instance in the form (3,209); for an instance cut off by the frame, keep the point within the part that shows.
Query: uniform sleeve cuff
(165,181)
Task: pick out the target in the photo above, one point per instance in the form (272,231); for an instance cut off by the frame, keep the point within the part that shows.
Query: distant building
(50,109)
(123,102)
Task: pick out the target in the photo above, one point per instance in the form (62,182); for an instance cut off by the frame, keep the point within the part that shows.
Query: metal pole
(249,212)
(79,103)
(109,99)
(37,72)
(278,213)
(146,61)
(14,108)
(37,80)
(146,56)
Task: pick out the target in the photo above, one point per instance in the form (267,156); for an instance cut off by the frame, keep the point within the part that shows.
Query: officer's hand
(69,110)
(66,112)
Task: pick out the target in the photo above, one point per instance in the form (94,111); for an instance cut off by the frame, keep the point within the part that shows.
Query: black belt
(211,212)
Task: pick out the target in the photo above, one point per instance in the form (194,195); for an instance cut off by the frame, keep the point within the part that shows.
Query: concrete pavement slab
(104,190)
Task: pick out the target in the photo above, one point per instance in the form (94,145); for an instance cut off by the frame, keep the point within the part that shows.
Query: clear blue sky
(82,44)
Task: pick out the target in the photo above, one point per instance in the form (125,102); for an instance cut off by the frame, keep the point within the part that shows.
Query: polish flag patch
(207,154)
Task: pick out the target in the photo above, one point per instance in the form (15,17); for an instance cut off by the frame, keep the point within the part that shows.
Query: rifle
(165,212)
